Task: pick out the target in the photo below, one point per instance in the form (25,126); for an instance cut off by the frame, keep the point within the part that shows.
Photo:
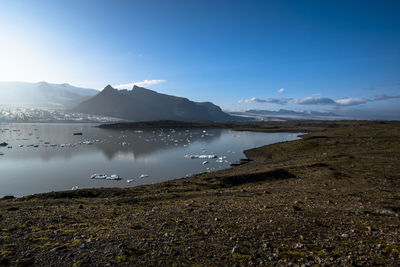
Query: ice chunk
(88,142)
(98,176)
(130,181)
(143,176)
(114,177)
(205,162)
(211,156)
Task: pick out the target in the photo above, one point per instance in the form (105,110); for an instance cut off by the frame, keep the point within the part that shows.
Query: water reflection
(46,157)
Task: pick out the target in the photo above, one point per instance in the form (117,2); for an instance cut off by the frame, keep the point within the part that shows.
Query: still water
(48,157)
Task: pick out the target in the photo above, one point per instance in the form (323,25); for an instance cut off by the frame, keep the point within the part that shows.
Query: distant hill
(141,104)
(43,94)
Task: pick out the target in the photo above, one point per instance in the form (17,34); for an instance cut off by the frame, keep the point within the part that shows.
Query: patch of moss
(241,256)
(292,255)
(77,263)
(390,248)
(51,244)
(4,252)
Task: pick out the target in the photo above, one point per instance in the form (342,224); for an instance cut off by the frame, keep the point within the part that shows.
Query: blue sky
(326,55)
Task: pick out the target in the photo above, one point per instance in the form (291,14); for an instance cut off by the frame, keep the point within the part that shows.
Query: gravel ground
(331,198)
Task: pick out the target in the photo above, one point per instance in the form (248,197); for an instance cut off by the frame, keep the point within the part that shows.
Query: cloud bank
(311,100)
(346,101)
(140,84)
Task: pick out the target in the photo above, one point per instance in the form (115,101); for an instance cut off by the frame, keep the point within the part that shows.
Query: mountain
(42,94)
(141,104)
(284,114)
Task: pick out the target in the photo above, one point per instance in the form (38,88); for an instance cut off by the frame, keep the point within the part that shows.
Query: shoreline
(331,197)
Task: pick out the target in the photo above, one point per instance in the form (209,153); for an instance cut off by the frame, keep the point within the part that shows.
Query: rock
(7,197)
(299,245)
(345,235)
(235,249)
(297,208)
(13,209)
(28,255)
(83,246)
(58,248)
(80,206)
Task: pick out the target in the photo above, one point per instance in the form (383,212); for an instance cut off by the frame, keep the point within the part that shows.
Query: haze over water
(62,160)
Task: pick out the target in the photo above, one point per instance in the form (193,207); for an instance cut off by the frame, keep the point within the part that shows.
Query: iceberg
(114,177)
(98,176)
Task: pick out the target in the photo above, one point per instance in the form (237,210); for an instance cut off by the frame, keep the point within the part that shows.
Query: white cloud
(314,101)
(282,90)
(280,101)
(140,84)
(351,101)
(347,101)
(385,96)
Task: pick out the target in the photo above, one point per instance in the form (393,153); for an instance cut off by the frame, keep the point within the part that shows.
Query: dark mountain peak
(108,88)
(142,104)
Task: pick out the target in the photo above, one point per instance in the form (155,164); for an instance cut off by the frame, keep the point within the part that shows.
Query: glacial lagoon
(49,157)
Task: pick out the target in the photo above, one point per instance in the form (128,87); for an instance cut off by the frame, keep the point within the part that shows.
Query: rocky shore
(331,198)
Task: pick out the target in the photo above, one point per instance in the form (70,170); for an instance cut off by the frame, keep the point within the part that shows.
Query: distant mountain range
(43,94)
(138,104)
(141,104)
(284,114)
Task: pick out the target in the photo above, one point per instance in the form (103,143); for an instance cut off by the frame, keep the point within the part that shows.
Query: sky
(341,56)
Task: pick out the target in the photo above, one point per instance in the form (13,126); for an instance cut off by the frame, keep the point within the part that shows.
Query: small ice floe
(138,131)
(87,142)
(114,177)
(75,187)
(124,143)
(143,176)
(21,145)
(205,162)
(211,156)
(3,144)
(130,180)
(221,159)
(99,176)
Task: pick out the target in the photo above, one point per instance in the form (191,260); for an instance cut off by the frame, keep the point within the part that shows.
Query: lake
(49,157)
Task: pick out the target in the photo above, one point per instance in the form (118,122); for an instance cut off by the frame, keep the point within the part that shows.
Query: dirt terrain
(331,198)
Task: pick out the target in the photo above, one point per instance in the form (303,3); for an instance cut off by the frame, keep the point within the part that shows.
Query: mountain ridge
(43,94)
(142,104)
